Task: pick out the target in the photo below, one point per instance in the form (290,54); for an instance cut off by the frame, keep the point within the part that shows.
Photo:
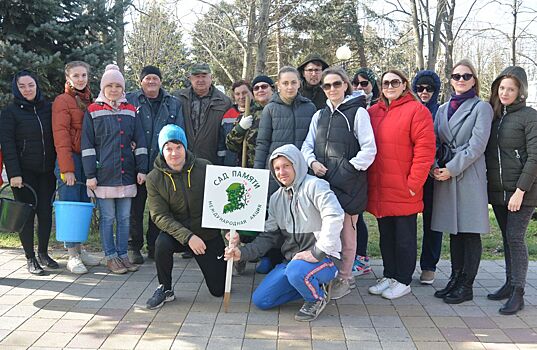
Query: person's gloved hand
(246,122)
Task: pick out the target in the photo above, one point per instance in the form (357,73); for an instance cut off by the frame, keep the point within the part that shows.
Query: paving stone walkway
(103,311)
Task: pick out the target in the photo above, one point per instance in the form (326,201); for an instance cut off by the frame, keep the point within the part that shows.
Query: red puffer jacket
(406,145)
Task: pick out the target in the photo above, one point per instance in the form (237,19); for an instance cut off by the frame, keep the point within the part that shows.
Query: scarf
(457,100)
(83,97)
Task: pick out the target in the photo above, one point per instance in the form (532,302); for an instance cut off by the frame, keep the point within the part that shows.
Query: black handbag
(445,152)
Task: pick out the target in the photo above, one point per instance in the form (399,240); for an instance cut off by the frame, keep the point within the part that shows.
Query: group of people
(335,148)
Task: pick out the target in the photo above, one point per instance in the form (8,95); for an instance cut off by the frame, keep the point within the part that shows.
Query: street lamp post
(343,54)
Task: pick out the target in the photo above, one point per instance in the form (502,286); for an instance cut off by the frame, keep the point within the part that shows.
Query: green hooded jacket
(175,198)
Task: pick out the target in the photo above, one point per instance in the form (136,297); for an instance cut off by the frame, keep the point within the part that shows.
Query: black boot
(33,267)
(452,283)
(47,261)
(503,293)
(463,292)
(515,302)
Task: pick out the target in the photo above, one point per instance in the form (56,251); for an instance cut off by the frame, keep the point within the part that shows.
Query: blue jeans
(293,280)
(76,193)
(118,210)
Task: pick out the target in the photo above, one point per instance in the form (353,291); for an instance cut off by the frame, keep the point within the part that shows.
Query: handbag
(445,152)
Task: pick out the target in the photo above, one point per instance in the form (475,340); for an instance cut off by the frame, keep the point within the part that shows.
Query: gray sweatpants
(513,226)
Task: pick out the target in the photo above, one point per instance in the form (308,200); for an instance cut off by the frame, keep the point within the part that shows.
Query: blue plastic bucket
(73,220)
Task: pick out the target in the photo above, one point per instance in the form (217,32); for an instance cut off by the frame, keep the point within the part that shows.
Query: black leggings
(211,263)
(362,236)
(44,185)
(465,250)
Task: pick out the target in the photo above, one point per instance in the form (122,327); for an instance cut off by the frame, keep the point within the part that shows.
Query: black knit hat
(426,80)
(263,79)
(150,70)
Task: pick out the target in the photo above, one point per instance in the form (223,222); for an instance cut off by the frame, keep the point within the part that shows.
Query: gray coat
(460,204)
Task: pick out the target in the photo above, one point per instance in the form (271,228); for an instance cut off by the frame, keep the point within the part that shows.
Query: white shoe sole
(391,297)
(427,282)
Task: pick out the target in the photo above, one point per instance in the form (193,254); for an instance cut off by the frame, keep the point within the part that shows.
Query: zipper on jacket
(293,217)
(517,154)
(499,153)
(327,138)
(42,135)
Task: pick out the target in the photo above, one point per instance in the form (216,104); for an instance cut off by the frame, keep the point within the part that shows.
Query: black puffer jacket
(511,153)
(282,124)
(26,136)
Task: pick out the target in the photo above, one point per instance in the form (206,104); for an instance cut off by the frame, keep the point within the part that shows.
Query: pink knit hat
(112,75)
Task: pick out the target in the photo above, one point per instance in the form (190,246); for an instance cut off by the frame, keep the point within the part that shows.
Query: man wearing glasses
(310,71)
(426,85)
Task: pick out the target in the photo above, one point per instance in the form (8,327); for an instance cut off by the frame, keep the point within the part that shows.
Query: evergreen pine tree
(43,35)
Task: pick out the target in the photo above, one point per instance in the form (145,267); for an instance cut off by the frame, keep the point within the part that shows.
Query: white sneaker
(381,286)
(88,259)
(76,266)
(396,290)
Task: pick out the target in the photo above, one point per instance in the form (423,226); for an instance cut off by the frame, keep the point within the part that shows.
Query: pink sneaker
(361,266)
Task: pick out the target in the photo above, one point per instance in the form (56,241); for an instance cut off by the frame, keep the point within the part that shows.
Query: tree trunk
(435,43)
(448,13)
(360,39)
(120,34)
(513,35)
(248,67)
(262,32)
(417,36)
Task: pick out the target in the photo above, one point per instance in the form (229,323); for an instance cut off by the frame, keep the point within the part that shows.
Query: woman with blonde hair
(460,202)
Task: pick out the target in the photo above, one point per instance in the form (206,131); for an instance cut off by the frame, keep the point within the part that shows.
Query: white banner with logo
(235,198)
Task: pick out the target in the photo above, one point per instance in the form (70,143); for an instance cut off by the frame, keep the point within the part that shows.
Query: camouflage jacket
(236,136)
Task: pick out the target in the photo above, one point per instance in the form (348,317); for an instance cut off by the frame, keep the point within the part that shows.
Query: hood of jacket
(19,99)
(293,154)
(432,105)
(519,74)
(310,58)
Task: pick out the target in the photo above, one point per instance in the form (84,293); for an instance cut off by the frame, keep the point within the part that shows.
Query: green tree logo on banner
(236,196)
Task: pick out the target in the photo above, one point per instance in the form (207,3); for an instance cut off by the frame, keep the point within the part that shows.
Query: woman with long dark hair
(511,158)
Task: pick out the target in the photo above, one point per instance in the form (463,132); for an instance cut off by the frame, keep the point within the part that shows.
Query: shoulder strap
(463,121)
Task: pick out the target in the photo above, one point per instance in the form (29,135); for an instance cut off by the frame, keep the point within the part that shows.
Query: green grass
(492,243)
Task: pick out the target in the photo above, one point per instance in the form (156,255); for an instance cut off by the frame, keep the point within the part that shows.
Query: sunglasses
(394,83)
(335,84)
(261,87)
(362,83)
(465,76)
(422,88)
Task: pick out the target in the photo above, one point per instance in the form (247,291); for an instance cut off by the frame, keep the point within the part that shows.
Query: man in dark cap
(311,70)
(204,106)
(156,108)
